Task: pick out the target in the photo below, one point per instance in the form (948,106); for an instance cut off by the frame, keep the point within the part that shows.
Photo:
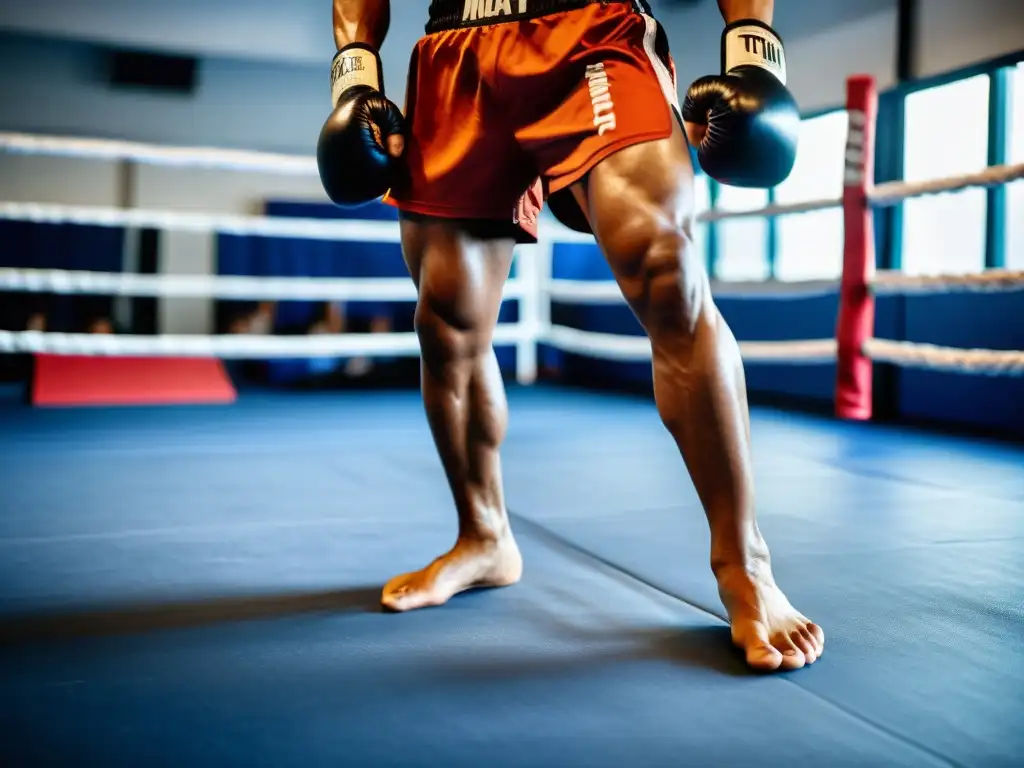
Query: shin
(460,283)
(640,205)
(700,391)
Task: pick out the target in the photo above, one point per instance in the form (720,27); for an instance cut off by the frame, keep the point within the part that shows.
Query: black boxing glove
(353,156)
(751,119)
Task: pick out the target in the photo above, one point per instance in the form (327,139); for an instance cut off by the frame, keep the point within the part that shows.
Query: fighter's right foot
(472,563)
(772,633)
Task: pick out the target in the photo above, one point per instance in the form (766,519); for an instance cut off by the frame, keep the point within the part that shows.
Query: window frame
(890,160)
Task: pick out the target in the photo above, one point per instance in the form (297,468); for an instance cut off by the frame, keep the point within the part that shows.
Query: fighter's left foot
(772,633)
(471,563)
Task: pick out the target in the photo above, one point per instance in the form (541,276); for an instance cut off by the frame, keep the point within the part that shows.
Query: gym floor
(198,586)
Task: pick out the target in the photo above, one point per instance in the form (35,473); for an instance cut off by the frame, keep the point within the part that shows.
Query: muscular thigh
(640,203)
(459,275)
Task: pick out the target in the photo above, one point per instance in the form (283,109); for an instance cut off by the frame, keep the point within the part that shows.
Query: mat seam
(553,539)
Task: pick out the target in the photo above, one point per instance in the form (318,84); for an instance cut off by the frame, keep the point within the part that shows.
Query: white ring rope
(893,282)
(607,292)
(152,154)
(349,230)
(67,282)
(894,192)
(882,195)
(977,361)
(775,209)
(230,346)
(243,346)
(610,346)
(587,343)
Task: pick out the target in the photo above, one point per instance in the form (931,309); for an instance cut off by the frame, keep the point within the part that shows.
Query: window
(946,134)
(1015,191)
(810,245)
(742,243)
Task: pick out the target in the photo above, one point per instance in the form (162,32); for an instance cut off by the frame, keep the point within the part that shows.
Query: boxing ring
(196,585)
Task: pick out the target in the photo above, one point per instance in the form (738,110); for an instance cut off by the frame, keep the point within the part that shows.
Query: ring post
(529,260)
(855,324)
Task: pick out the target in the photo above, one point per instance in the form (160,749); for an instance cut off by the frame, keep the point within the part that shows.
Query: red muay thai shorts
(511,101)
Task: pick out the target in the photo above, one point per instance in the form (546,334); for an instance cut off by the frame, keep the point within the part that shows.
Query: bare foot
(471,563)
(772,633)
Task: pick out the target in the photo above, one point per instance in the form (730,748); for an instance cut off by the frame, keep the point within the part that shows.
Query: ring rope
(383,231)
(350,230)
(882,195)
(913,355)
(230,346)
(68,282)
(893,192)
(588,343)
(885,283)
(608,292)
(893,282)
(243,346)
(153,154)
(775,209)
(610,346)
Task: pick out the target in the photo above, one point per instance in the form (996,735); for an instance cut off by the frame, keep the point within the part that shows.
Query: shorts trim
(485,226)
(661,71)
(568,179)
(446,212)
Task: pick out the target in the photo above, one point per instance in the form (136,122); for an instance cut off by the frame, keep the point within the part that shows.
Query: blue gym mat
(199,586)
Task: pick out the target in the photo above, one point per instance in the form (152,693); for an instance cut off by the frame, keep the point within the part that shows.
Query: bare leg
(460,281)
(640,203)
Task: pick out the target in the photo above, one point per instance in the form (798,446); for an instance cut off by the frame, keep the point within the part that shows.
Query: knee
(676,287)
(448,331)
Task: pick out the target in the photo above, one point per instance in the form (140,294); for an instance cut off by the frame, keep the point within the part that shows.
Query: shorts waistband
(461,14)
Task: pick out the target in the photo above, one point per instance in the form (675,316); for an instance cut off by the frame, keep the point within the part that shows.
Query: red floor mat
(68,381)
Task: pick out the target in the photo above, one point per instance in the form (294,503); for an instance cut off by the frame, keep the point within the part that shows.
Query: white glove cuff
(353,65)
(751,43)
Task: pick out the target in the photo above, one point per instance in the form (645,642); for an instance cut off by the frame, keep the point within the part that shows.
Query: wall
(820,64)
(262,81)
(263,75)
(957,33)
(298,30)
(265,34)
(50,86)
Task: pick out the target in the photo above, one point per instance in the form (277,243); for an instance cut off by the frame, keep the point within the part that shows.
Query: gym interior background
(201,585)
(253,74)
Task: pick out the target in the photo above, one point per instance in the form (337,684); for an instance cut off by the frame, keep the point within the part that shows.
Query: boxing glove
(356,153)
(751,120)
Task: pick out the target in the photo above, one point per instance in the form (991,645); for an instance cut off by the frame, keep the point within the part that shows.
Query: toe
(761,654)
(396,594)
(805,644)
(764,657)
(818,635)
(809,636)
(792,656)
(392,599)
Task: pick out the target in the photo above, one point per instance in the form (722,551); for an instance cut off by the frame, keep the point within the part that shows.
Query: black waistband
(459,14)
